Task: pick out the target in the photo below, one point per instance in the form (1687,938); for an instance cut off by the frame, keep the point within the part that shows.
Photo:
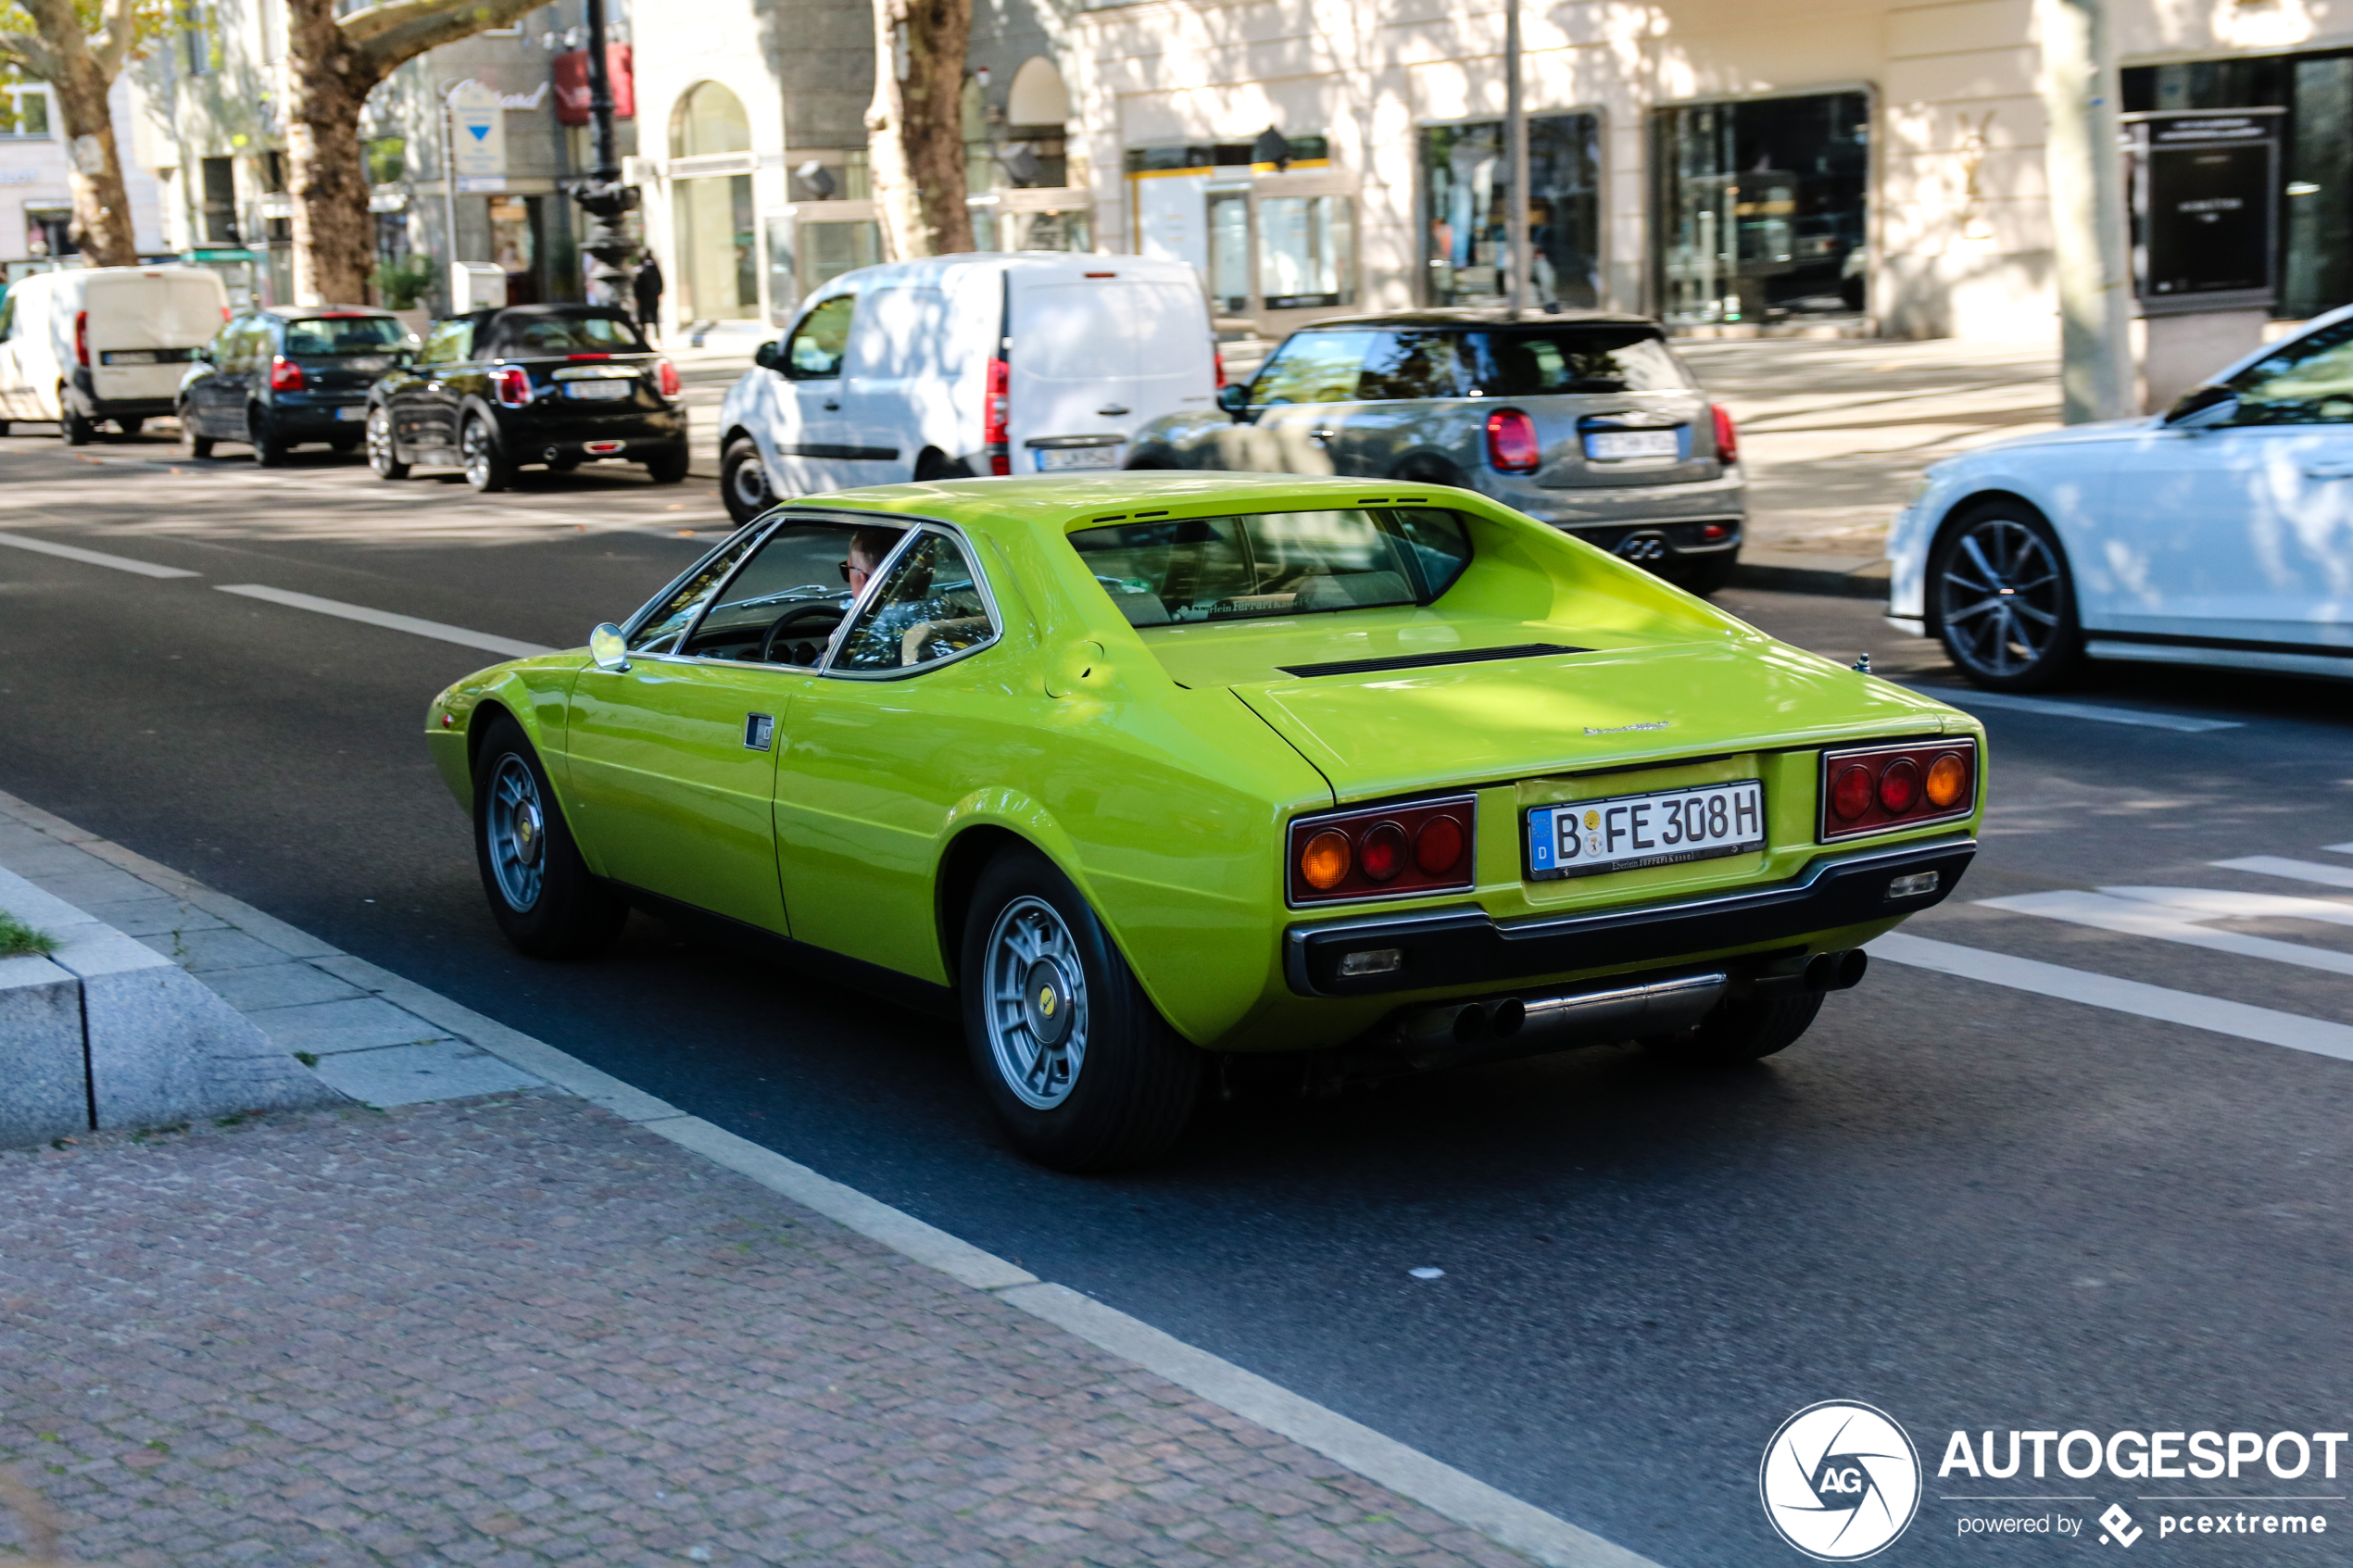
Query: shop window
(220,176)
(1466,184)
(717,237)
(1229,288)
(827,250)
(1762,206)
(1306,251)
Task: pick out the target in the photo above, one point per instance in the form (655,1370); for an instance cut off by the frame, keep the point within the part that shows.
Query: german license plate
(1617,445)
(1663,828)
(1056,459)
(599,391)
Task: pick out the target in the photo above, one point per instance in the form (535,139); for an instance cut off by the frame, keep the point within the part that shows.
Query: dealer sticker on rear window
(1663,828)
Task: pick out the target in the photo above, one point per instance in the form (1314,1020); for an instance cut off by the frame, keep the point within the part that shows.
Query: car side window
(447,342)
(2309,382)
(660,628)
(816,349)
(224,345)
(785,605)
(930,607)
(1411,364)
(1313,367)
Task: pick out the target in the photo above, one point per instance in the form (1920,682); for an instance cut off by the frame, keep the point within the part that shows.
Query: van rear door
(1096,356)
(144,327)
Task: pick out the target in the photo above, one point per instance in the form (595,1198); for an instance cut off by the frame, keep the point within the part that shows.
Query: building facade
(35,197)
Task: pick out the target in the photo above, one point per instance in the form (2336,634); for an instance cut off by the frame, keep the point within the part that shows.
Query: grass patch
(19,940)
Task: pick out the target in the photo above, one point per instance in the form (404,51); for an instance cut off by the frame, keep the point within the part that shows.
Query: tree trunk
(328,82)
(101,205)
(915,128)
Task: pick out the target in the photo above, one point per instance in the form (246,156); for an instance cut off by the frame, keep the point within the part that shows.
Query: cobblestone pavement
(521,1331)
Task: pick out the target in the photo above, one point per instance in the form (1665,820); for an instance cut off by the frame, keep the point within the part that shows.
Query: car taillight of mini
(285,375)
(1511,442)
(511,386)
(1387,852)
(1217,359)
(666,376)
(1887,788)
(81,337)
(996,400)
(1728,437)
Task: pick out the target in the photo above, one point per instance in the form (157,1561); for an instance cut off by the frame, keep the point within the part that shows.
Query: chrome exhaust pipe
(1512,1026)
(1834,971)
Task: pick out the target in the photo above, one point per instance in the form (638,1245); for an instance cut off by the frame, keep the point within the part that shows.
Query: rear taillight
(993,408)
(511,386)
(1727,438)
(1511,442)
(1385,853)
(1884,789)
(1217,358)
(666,374)
(81,337)
(285,374)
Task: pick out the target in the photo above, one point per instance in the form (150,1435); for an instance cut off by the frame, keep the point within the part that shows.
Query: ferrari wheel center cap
(527,836)
(1046,998)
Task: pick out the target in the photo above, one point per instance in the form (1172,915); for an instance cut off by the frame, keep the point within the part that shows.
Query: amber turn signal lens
(1948,782)
(1899,787)
(1324,860)
(1439,847)
(1383,852)
(1851,795)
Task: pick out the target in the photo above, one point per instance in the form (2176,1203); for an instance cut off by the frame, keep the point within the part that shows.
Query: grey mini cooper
(1580,419)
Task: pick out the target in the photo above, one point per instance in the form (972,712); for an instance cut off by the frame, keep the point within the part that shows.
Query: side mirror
(769,356)
(1234,397)
(609,648)
(2201,406)
(202,355)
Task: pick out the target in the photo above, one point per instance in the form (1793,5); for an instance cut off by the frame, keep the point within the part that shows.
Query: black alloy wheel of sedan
(2005,602)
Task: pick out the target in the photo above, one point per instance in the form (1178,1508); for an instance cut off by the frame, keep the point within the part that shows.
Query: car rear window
(567,334)
(1259,564)
(344,334)
(1534,362)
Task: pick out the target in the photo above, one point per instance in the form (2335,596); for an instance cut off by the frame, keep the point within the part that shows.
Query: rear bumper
(317,415)
(90,406)
(1465,947)
(529,432)
(1724,498)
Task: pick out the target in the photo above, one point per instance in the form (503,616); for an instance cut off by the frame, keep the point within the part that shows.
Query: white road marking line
(1969,696)
(2239,1020)
(2214,904)
(93,558)
(386,617)
(2295,870)
(2339,848)
(2131,919)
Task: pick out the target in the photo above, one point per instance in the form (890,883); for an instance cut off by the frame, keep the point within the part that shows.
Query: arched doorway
(716,245)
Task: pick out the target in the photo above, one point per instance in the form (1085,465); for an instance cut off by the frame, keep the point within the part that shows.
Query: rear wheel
(2005,602)
(486,467)
(270,448)
(670,467)
(1741,1030)
(383,455)
(1075,1060)
(71,427)
(541,892)
(743,480)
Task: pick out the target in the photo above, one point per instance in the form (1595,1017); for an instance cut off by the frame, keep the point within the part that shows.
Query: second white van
(104,344)
(963,367)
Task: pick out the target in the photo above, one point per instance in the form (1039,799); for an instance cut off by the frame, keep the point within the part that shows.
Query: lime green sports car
(1150,777)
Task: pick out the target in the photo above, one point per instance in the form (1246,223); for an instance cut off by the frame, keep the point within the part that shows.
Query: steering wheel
(780,630)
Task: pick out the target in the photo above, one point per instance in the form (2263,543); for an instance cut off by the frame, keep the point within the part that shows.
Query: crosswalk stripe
(2213,903)
(2339,848)
(2211,1013)
(2123,915)
(93,557)
(2298,870)
(412,624)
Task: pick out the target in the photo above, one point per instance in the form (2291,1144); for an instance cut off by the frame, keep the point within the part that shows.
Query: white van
(966,366)
(101,344)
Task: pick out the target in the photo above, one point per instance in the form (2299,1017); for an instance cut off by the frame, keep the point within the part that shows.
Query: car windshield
(1261,564)
(344,335)
(2309,381)
(568,335)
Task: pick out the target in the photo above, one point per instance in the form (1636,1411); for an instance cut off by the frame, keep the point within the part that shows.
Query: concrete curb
(1783,575)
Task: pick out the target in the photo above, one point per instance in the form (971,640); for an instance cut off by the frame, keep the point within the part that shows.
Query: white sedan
(2218,533)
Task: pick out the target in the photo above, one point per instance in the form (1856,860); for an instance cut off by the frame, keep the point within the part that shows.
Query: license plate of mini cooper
(1663,828)
(599,391)
(1617,446)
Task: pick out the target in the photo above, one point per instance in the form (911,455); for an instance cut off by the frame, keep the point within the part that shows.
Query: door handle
(1109,411)
(1321,434)
(833,403)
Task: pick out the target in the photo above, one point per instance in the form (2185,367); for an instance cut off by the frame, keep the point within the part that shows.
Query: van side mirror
(203,356)
(769,356)
(2202,406)
(1234,397)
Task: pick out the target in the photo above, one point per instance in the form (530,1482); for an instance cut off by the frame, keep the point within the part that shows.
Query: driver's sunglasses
(844,567)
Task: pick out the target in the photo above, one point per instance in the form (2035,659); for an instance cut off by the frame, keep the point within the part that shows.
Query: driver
(868,549)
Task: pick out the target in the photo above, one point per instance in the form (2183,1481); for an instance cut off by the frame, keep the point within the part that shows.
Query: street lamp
(603,197)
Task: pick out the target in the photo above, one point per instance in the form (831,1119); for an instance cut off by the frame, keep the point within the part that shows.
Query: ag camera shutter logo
(1840,1481)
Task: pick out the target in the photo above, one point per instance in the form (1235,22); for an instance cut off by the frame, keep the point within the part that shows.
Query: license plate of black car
(599,391)
(1662,828)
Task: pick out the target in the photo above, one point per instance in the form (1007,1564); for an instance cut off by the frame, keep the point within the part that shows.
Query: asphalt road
(1970,1205)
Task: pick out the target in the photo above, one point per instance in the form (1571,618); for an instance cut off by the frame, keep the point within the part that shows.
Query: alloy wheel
(1036,1001)
(2001,598)
(475,449)
(750,480)
(517,826)
(379,453)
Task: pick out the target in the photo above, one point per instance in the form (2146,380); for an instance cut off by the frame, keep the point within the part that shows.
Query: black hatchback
(275,379)
(552,384)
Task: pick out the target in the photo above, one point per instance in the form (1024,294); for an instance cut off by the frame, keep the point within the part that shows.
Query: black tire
(1704,574)
(270,448)
(195,446)
(670,467)
(2003,599)
(73,428)
(130,428)
(4,427)
(743,480)
(565,911)
(384,454)
(1132,1088)
(931,468)
(1741,1030)
(488,466)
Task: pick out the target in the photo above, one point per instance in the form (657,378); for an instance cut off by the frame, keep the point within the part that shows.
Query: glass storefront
(1761,208)
(1466,189)
(1262,237)
(718,251)
(2316,205)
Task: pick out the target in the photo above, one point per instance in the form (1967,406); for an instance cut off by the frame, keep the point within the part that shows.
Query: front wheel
(486,467)
(190,441)
(1740,1031)
(2005,601)
(383,455)
(1075,1060)
(743,480)
(541,892)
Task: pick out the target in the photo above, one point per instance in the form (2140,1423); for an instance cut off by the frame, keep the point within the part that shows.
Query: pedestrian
(648,290)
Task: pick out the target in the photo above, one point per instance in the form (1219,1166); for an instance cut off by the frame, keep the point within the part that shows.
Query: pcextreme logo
(1840,1481)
